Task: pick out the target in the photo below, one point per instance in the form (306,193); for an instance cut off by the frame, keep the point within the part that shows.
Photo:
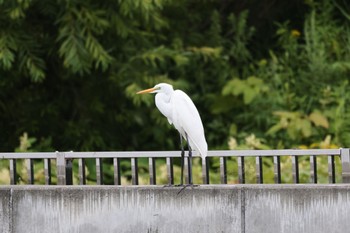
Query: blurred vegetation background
(264,74)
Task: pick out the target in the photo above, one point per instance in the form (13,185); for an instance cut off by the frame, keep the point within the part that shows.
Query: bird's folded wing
(186,116)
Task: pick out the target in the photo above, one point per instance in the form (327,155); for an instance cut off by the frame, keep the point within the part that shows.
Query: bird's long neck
(163,103)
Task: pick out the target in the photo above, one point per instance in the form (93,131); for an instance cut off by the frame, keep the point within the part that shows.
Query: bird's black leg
(190,178)
(182,160)
(182,165)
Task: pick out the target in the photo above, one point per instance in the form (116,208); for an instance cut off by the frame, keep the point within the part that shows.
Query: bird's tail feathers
(202,151)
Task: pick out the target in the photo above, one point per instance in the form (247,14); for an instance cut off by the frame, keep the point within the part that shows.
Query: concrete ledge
(5,210)
(297,208)
(206,208)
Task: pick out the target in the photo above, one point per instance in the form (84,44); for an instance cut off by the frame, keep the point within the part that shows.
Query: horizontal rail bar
(287,152)
(163,154)
(25,155)
(124,154)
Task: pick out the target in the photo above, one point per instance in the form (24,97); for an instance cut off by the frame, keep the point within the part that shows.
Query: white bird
(180,111)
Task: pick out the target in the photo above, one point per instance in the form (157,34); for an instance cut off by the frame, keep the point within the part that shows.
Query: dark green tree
(69,71)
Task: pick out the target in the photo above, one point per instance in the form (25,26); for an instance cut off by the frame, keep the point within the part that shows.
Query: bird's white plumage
(180,111)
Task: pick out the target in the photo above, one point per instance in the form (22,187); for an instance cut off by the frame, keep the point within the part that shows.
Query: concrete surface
(5,206)
(207,208)
(301,208)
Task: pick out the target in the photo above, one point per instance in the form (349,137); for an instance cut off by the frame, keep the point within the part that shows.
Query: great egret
(180,111)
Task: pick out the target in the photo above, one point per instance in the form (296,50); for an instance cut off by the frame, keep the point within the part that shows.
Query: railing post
(64,169)
(82,177)
(331,169)
(152,171)
(99,171)
(170,170)
(47,168)
(190,174)
(277,169)
(313,169)
(295,169)
(30,170)
(13,172)
(186,170)
(69,171)
(205,170)
(259,170)
(223,170)
(134,172)
(241,170)
(61,168)
(345,163)
(116,164)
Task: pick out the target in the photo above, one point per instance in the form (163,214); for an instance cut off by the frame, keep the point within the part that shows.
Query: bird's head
(159,88)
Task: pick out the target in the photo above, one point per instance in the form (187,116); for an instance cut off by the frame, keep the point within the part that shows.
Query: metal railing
(64,164)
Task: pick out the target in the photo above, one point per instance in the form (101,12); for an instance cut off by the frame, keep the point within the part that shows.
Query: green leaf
(293,131)
(306,127)
(234,87)
(36,67)
(98,53)
(249,95)
(181,60)
(8,47)
(274,129)
(319,119)
(254,81)
(7,57)
(288,115)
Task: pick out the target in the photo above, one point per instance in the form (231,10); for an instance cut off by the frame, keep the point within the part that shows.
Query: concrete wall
(214,208)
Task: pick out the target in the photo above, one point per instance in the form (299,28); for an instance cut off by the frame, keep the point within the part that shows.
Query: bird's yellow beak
(146,91)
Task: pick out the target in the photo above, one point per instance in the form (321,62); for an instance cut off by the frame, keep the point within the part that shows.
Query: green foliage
(241,33)
(250,88)
(78,32)
(69,71)
(298,125)
(292,102)
(7,46)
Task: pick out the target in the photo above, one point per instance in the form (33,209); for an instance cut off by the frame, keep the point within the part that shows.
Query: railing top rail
(28,155)
(284,152)
(162,154)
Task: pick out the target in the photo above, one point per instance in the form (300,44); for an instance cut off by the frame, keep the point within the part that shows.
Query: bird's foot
(173,185)
(184,186)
